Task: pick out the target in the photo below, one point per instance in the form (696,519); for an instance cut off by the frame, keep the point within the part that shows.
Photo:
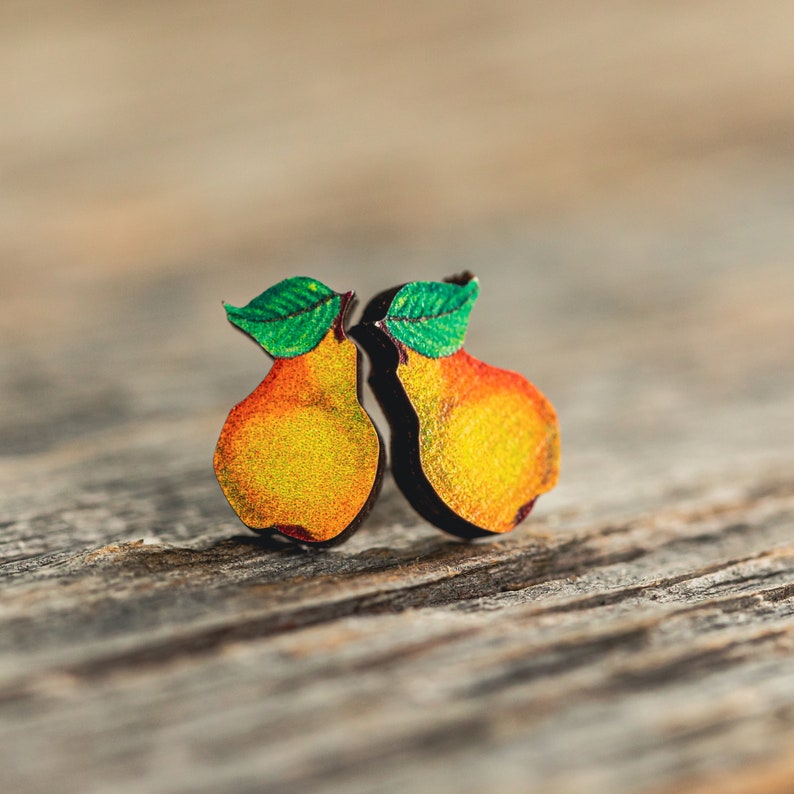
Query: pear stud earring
(472,446)
(299,455)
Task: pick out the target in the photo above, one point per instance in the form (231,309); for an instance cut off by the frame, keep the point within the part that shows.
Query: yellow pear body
(488,439)
(299,454)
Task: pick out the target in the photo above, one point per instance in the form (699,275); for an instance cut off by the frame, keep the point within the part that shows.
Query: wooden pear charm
(300,455)
(473,446)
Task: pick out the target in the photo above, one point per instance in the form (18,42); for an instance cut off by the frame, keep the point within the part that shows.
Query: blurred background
(620,175)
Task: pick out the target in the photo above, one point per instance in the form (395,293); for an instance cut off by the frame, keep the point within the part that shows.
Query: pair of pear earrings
(472,446)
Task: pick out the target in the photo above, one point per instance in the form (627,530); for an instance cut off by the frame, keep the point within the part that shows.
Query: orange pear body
(299,454)
(488,439)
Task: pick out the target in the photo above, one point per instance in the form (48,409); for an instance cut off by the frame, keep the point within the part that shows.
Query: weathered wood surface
(619,175)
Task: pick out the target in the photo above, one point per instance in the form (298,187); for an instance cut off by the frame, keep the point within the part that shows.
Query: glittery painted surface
(488,439)
(299,454)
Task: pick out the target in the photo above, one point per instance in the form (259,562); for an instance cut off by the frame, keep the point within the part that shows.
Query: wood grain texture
(620,178)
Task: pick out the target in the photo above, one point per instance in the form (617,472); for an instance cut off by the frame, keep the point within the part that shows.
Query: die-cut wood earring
(472,446)
(300,455)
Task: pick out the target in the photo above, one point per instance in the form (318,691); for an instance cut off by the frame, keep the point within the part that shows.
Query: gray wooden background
(621,177)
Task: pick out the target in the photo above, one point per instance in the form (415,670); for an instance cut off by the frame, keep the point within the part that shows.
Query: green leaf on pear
(431,317)
(290,318)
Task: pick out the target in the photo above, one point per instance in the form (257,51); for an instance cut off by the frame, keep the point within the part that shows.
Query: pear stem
(345,305)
